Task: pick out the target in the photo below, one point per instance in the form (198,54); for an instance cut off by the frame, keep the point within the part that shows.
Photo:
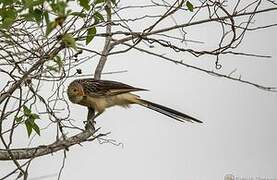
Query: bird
(102,94)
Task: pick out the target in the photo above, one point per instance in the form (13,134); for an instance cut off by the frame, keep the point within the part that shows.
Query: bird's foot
(90,124)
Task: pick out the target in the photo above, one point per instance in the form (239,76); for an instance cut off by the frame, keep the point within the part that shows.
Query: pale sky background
(238,135)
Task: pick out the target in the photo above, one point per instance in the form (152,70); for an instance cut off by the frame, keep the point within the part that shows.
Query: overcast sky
(238,135)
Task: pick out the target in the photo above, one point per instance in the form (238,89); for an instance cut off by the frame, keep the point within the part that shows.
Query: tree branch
(108,47)
(133,35)
(27,153)
(180,62)
(18,83)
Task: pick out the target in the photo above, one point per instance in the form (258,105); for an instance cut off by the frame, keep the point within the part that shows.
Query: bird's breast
(101,103)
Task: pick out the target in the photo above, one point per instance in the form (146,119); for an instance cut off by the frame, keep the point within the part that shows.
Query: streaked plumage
(102,94)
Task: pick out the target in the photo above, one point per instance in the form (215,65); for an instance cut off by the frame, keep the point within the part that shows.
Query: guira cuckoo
(102,94)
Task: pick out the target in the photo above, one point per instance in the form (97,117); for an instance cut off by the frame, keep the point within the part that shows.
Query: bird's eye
(74,90)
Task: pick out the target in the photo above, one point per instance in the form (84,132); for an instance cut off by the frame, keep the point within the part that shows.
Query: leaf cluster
(29,119)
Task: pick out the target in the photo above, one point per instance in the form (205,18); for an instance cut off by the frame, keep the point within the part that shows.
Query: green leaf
(36,128)
(7,23)
(29,127)
(46,17)
(11,13)
(33,116)
(27,17)
(98,1)
(50,27)
(85,4)
(19,119)
(8,17)
(33,15)
(113,1)
(26,110)
(37,14)
(59,7)
(59,62)
(98,17)
(79,14)
(32,3)
(7,2)
(52,68)
(59,20)
(69,41)
(29,120)
(90,35)
(189,6)
(38,2)
(27,3)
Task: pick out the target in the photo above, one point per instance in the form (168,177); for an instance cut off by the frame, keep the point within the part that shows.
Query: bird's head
(75,92)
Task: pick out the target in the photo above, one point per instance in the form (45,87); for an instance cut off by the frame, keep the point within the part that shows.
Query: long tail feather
(168,111)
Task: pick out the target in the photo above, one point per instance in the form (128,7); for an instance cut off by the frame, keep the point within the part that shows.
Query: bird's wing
(94,87)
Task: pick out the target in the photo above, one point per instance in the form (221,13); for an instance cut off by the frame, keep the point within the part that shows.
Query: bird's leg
(90,123)
(90,119)
(96,115)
